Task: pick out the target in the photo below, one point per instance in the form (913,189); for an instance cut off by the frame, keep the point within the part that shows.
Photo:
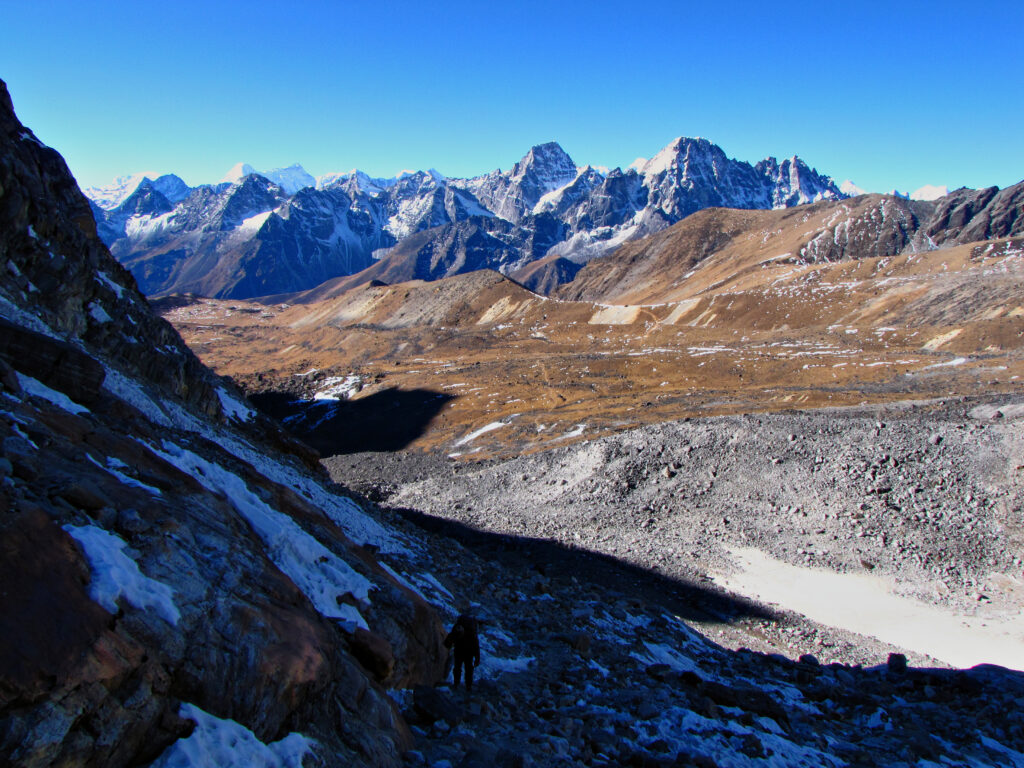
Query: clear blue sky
(888,94)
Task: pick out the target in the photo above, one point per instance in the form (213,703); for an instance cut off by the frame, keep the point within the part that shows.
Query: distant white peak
(238,172)
(604,170)
(116,192)
(290,179)
(638,164)
(330,179)
(851,189)
(929,192)
(897,193)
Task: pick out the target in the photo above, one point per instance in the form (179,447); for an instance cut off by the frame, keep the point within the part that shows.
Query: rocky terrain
(925,493)
(632,538)
(256,235)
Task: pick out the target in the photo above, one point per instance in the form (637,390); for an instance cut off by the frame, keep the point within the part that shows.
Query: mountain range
(259,234)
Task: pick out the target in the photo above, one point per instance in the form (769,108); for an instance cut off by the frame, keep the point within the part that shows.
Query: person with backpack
(465,643)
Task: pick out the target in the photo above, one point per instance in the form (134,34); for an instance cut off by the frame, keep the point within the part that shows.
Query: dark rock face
(157,548)
(57,270)
(971,215)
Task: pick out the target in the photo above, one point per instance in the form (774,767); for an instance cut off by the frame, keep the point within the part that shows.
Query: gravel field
(925,497)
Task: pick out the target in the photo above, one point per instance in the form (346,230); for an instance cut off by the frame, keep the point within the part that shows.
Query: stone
(430,705)
(374,653)
(896,663)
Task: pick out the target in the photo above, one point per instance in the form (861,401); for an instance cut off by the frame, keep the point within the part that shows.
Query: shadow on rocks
(385,421)
(684,598)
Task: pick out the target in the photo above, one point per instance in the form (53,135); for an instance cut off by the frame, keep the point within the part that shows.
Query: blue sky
(888,94)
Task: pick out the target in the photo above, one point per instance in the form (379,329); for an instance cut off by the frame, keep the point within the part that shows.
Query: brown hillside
(751,326)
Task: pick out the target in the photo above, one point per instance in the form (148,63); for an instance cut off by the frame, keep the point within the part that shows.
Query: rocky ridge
(678,262)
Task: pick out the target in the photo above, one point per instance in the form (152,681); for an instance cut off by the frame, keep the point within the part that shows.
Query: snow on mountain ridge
(544,204)
(290,179)
(111,195)
(929,192)
(237,172)
(850,189)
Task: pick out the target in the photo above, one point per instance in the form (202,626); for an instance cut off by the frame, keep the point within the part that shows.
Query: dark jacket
(464,639)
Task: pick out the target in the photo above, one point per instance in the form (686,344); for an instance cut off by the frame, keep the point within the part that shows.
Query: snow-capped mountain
(120,189)
(545,205)
(850,189)
(290,179)
(544,169)
(929,192)
(237,172)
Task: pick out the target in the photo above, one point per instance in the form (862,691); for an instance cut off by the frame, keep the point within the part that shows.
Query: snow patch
(227,744)
(253,223)
(115,575)
(339,387)
(493,666)
(114,467)
(482,431)
(104,278)
(663,654)
(319,573)
(131,392)
(37,388)
(98,314)
(233,407)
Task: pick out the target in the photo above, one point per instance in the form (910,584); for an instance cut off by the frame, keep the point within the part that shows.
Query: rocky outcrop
(971,215)
(57,270)
(168,556)
(546,275)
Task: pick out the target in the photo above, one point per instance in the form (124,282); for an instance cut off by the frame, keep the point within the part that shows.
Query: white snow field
(869,605)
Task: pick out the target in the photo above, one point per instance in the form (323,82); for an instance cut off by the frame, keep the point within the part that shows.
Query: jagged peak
(671,153)
(549,155)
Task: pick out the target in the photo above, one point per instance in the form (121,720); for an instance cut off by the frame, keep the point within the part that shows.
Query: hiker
(465,642)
